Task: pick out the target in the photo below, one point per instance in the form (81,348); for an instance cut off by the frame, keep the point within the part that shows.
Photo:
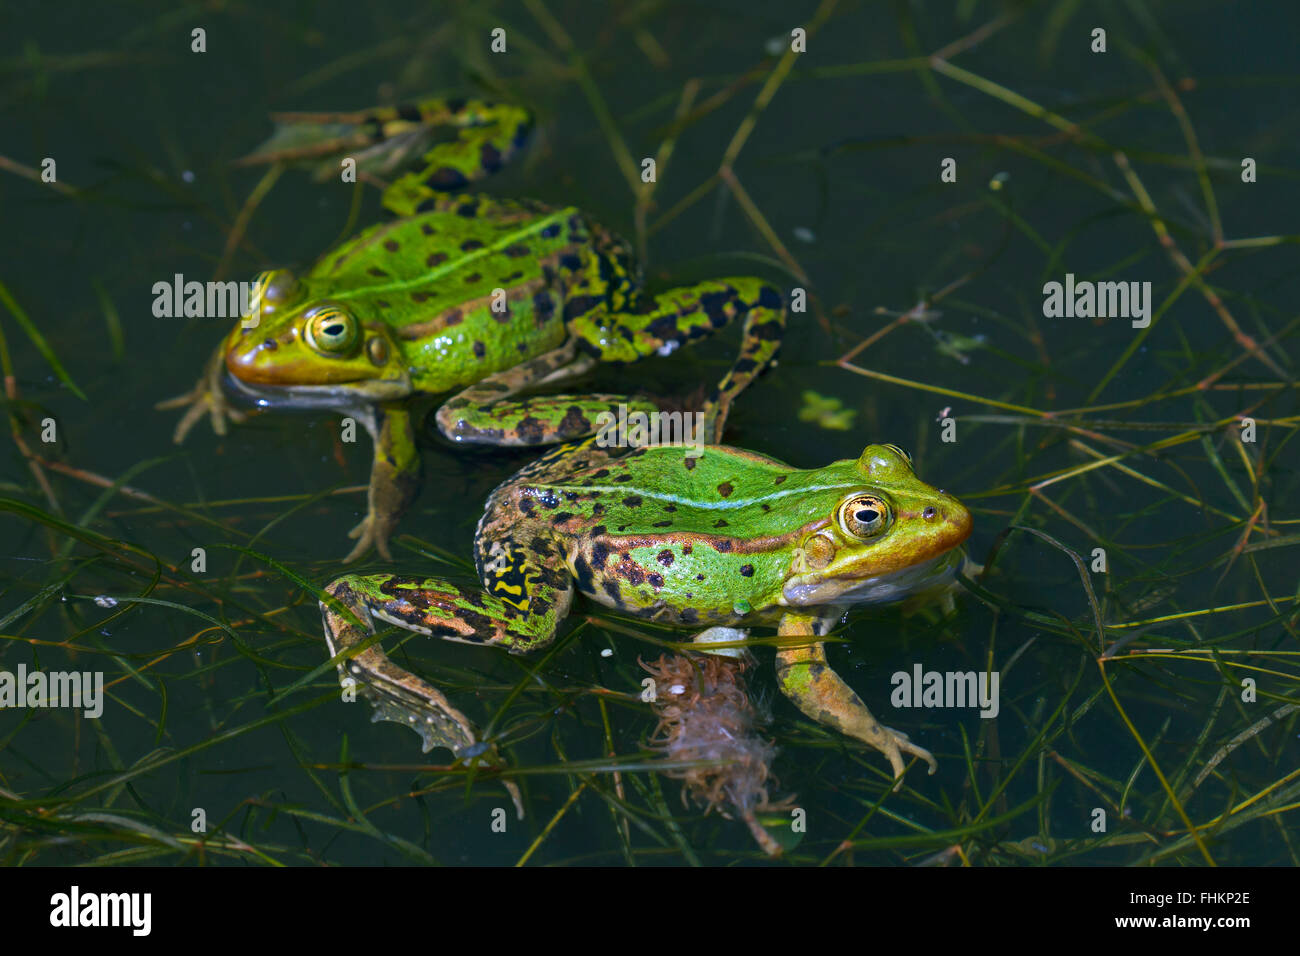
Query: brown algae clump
(706,719)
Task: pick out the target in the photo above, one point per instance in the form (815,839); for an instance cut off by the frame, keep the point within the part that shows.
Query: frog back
(465,290)
(666,534)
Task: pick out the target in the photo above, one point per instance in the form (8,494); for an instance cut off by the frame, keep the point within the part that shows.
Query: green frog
(713,544)
(487,297)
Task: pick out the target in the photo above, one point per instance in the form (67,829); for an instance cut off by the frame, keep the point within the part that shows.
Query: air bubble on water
(607,652)
(804,234)
(187,176)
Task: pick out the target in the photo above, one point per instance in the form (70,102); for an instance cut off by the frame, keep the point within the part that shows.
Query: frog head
(308,351)
(888,536)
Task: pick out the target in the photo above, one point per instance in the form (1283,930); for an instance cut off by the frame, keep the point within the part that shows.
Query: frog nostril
(929,513)
(271,344)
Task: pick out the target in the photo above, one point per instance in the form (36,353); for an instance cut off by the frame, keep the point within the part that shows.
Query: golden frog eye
(331,330)
(864,516)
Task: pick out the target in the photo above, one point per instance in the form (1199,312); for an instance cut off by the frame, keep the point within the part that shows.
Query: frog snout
(252,359)
(952,517)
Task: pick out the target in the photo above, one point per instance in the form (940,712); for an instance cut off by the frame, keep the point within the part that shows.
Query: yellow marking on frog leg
(807,679)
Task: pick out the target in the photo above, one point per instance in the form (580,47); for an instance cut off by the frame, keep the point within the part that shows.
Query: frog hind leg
(485,414)
(394,478)
(659,324)
(487,137)
(527,592)
(808,680)
(435,608)
(383,139)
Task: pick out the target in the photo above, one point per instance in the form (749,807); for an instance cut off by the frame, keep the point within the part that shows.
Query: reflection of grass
(1122,691)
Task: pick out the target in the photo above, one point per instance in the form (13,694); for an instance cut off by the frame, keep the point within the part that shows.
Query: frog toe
(438,724)
(893,744)
(435,728)
(807,679)
(370,533)
(188,420)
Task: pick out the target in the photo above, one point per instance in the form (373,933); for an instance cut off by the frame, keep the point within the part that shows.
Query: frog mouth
(331,397)
(810,590)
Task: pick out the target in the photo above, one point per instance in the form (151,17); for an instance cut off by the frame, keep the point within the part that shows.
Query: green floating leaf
(826,412)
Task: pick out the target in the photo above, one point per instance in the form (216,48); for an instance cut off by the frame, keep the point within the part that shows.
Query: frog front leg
(394,478)
(206,396)
(808,680)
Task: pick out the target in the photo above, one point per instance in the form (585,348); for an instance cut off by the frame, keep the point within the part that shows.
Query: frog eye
(329,329)
(901,454)
(864,516)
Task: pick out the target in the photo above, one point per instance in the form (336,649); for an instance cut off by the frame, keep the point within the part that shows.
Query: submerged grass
(1138,597)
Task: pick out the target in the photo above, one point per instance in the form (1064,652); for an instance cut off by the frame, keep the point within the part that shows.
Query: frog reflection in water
(490,297)
(711,544)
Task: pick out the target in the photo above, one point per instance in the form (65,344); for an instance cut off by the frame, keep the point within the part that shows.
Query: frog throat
(306,397)
(816,589)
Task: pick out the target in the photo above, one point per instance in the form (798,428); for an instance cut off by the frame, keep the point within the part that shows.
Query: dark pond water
(1067,162)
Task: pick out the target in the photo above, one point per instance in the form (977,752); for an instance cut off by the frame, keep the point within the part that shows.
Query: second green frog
(489,297)
(711,544)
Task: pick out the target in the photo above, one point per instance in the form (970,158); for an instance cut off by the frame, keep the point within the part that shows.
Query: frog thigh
(808,680)
(484,413)
(659,324)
